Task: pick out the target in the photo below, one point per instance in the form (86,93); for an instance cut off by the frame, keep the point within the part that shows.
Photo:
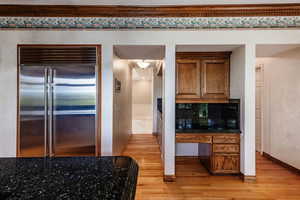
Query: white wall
(142,106)
(237,85)
(106,99)
(8,76)
(122,117)
(242,86)
(169,82)
(157,93)
(187,149)
(281,108)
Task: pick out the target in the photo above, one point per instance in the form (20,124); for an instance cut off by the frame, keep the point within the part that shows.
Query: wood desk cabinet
(219,152)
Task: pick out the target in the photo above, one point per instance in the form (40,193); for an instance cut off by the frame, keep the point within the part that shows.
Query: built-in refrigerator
(57,110)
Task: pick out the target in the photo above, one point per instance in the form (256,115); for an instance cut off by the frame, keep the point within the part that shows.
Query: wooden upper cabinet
(215,79)
(202,77)
(188,79)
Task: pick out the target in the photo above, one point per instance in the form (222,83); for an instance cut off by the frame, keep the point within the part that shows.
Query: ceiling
(273,50)
(144,52)
(143,2)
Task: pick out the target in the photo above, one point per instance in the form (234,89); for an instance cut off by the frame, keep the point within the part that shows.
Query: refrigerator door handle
(53,114)
(46,86)
(50,127)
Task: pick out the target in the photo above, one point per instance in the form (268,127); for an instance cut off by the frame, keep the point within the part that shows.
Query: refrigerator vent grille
(58,55)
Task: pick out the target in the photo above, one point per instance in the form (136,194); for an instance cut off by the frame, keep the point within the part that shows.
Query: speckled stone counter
(107,178)
(205,131)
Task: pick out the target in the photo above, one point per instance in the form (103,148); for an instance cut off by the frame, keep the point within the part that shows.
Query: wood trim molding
(242,10)
(283,164)
(186,100)
(169,178)
(199,55)
(248,179)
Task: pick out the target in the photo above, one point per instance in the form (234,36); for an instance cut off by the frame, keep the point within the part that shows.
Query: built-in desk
(219,152)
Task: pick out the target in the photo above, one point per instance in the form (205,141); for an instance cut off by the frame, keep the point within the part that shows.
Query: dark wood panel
(226,148)
(226,139)
(187,79)
(186,100)
(226,163)
(202,55)
(193,138)
(215,79)
(151,11)
(57,54)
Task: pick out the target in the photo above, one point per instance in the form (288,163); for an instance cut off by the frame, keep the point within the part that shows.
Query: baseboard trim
(248,179)
(169,178)
(191,157)
(281,163)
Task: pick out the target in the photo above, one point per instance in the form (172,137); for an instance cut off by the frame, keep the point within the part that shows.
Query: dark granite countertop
(107,178)
(199,131)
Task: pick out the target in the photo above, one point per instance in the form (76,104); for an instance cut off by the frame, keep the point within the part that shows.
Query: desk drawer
(193,138)
(226,148)
(226,163)
(227,139)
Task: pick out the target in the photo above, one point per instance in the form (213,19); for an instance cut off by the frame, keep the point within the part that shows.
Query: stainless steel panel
(74,110)
(32,111)
(46,88)
(50,112)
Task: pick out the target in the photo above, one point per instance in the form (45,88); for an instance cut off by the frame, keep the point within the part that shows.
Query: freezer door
(74,110)
(32,111)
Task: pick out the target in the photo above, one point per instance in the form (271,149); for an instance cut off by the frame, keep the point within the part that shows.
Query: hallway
(273,181)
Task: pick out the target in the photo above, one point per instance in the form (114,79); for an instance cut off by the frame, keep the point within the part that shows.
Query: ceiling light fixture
(142,64)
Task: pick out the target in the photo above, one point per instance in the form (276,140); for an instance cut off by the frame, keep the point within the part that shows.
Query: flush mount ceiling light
(143,64)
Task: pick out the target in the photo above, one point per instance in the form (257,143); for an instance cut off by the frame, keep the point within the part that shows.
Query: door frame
(98,91)
(260,67)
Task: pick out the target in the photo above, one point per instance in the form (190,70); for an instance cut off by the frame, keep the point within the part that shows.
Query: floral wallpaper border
(148,23)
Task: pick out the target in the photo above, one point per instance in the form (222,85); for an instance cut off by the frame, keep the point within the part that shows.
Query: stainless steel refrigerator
(57,110)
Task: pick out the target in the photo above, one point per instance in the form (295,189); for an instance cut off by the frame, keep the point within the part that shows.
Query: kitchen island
(105,178)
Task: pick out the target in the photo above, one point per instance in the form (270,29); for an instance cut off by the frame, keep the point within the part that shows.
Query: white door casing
(259,108)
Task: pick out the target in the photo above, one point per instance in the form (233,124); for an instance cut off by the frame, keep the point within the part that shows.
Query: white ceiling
(273,50)
(144,52)
(205,48)
(143,2)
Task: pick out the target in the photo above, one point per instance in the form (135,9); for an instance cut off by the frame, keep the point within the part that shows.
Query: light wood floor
(273,181)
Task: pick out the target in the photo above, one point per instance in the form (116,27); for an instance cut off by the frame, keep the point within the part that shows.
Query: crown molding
(181,23)
(243,10)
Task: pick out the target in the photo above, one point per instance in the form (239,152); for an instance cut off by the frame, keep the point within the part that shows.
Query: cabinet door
(215,79)
(188,79)
(226,163)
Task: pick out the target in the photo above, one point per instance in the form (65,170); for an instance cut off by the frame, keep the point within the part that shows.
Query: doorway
(259,92)
(137,93)
(142,104)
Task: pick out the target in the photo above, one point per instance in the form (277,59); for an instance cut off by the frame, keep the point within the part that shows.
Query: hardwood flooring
(192,183)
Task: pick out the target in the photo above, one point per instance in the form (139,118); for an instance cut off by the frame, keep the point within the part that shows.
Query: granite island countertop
(105,178)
